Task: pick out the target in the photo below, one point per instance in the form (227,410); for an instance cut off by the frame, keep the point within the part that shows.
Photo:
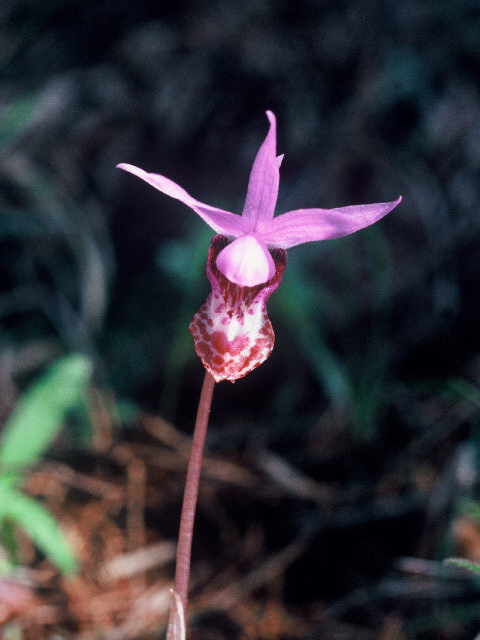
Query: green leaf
(465,389)
(295,304)
(470,508)
(16,117)
(9,547)
(40,526)
(464,564)
(39,415)
(185,263)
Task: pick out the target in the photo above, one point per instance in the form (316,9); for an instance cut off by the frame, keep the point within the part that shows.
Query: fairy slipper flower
(232,332)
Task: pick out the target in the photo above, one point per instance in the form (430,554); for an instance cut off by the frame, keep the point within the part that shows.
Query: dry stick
(184,546)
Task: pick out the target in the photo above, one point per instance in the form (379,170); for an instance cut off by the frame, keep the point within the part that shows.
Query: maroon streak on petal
(231,330)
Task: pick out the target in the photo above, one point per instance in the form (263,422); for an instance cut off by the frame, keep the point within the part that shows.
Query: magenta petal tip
(271,116)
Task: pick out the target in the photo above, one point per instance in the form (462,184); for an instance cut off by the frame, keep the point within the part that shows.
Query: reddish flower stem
(184,545)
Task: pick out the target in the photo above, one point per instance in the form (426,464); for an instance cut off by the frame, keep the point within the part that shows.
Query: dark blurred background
(373,384)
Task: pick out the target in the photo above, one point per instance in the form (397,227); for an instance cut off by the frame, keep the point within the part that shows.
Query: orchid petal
(246,262)
(306,225)
(230,224)
(232,332)
(263,183)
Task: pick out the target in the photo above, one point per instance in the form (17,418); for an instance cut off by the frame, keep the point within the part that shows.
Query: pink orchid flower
(232,332)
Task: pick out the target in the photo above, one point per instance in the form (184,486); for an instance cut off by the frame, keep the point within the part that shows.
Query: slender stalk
(184,545)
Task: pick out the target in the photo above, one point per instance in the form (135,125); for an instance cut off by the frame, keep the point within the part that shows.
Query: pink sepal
(219,220)
(262,189)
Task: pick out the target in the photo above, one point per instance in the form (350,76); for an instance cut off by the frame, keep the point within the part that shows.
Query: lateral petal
(263,183)
(230,224)
(246,262)
(306,225)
